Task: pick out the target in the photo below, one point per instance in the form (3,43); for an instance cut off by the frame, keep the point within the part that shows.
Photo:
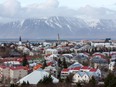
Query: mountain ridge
(67,27)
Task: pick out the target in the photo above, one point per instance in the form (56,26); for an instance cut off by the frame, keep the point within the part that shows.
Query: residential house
(64,73)
(112,64)
(98,61)
(4,72)
(17,73)
(51,51)
(51,70)
(36,76)
(85,76)
(81,76)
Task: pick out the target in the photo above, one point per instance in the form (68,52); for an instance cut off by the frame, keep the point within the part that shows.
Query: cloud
(45,5)
(12,10)
(100,13)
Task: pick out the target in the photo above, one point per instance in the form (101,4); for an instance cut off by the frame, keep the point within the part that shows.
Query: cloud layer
(12,9)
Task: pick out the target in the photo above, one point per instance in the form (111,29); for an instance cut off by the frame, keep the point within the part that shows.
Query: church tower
(20,41)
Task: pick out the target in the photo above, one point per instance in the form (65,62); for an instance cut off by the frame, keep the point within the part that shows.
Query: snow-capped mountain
(67,27)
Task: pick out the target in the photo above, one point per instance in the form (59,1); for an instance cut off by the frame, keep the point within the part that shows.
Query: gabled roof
(93,70)
(49,63)
(76,68)
(65,70)
(75,65)
(36,76)
(81,73)
(86,67)
(89,74)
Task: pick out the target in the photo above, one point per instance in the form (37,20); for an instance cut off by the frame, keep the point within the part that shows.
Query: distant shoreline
(45,39)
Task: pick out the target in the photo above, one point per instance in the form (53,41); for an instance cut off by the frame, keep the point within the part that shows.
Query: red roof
(86,53)
(101,55)
(17,68)
(50,63)
(76,68)
(3,67)
(20,59)
(65,70)
(112,54)
(42,49)
(85,67)
(47,55)
(93,70)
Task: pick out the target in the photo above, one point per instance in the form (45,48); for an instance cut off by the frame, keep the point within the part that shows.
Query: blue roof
(75,65)
(98,60)
(81,73)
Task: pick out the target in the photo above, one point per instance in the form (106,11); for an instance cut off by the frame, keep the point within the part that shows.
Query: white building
(17,73)
(64,73)
(36,76)
(51,51)
(46,44)
(51,70)
(80,72)
(4,72)
(12,63)
(81,76)
(85,76)
(20,41)
(112,64)
(14,73)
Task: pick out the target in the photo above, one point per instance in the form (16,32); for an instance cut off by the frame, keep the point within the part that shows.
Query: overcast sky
(21,9)
(74,4)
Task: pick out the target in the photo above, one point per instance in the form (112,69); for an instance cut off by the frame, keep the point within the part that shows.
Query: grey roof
(98,60)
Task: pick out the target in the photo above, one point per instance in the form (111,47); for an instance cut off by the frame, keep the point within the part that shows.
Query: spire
(58,38)
(20,41)
(20,38)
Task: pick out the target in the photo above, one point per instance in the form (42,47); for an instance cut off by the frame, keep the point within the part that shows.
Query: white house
(64,73)
(112,64)
(51,70)
(85,76)
(81,76)
(51,57)
(4,72)
(17,73)
(81,71)
(36,76)
(102,44)
(51,51)
(46,44)
(12,63)
(95,72)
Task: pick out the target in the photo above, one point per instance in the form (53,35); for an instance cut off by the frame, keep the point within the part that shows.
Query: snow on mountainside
(67,27)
